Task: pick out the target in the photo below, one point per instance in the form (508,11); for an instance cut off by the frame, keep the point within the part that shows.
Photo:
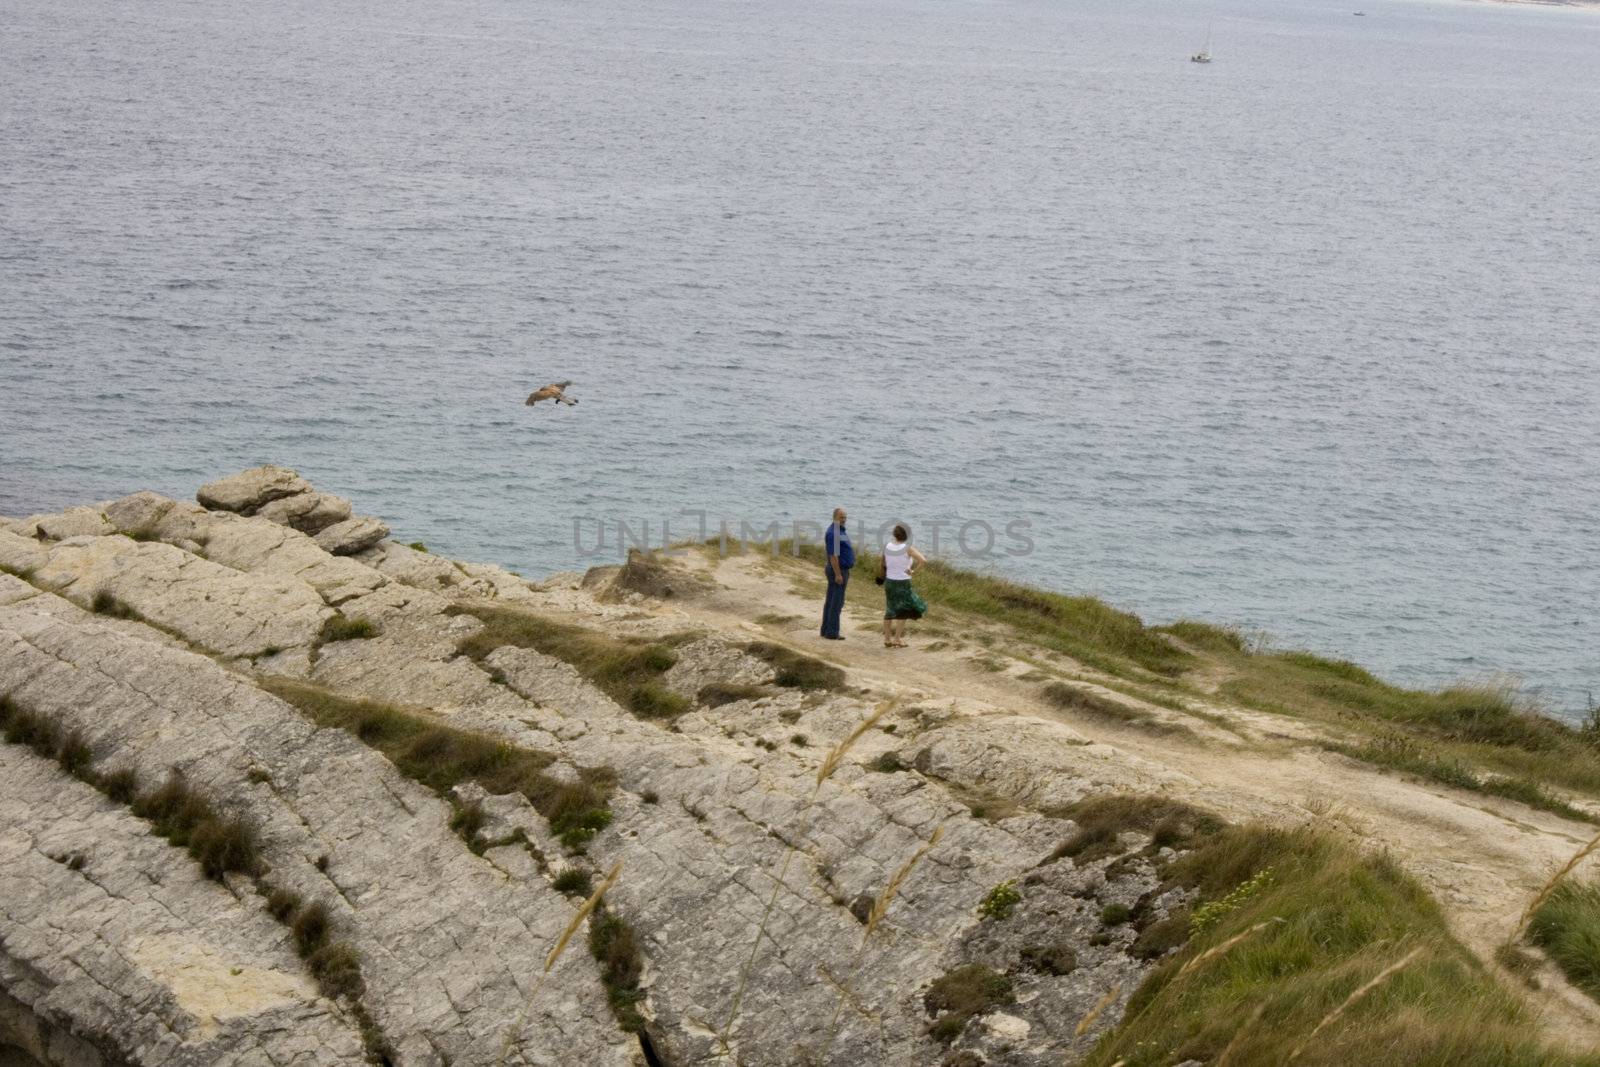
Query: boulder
(248,490)
(140,514)
(21,555)
(261,547)
(352,535)
(74,522)
(306,512)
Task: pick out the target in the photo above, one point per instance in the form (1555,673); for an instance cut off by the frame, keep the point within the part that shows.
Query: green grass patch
(1567,927)
(627,669)
(442,756)
(1327,921)
(796,670)
(1205,635)
(615,947)
(1001,901)
(1100,820)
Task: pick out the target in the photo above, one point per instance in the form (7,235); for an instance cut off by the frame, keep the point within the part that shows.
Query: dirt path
(1483,858)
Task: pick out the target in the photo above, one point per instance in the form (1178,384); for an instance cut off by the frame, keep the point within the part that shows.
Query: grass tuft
(574,881)
(310,926)
(105,603)
(1100,820)
(282,903)
(120,785)
(887,763)
(716,694)
(221,844)
(962,994)
(1115,914)
(1567,926)
(796,670)
(337,969)
(341,628)
(74,754)
(615,947)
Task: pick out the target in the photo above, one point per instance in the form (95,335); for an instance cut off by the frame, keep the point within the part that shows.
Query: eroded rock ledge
(157,632)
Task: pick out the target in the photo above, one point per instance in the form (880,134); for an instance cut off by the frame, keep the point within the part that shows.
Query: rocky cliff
(278,789)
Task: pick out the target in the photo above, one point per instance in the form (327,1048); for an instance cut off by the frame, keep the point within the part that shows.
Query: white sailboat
(1204,55)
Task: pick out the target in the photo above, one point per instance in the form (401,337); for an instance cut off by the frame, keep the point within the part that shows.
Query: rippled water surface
(1303,340)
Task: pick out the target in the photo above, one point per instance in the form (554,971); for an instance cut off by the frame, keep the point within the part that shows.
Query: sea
(1303,340)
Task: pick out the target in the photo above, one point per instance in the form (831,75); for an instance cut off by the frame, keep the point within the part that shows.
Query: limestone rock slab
(350,536)
(306,512)
(248,490)
(213,607)
(101,920)
(450,944)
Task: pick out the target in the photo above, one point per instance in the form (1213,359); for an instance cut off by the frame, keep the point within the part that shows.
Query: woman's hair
(902,534)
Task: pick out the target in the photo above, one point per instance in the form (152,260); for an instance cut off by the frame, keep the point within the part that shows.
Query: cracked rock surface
(154,628)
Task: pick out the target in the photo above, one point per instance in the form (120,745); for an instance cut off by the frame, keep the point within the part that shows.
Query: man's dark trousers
(832,607)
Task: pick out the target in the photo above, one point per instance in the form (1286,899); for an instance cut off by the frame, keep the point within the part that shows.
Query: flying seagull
(550,392)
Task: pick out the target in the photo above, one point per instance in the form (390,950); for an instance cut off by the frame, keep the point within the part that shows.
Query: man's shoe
(832,637)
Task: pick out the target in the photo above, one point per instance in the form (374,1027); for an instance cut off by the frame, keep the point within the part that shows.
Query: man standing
(841,557)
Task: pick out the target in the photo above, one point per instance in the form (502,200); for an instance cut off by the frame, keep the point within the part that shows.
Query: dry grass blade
(1243,1032)
(555,954)
(1094,1013)
(836,756)
(1217,950)
(1377,980)
(582,914)
(829,765)
(881,904)
(880,907)
(1550,887)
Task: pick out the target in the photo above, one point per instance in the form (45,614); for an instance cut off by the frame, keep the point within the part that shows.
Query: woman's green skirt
(901,601)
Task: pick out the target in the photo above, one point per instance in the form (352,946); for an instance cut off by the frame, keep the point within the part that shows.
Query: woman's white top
(896,561)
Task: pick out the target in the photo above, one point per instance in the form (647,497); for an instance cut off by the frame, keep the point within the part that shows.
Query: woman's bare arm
(917,559)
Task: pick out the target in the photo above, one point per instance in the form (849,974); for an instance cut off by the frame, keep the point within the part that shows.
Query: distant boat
(1204,55)
(1360,14)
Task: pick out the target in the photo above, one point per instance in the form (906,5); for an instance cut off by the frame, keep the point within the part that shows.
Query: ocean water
(1303,340)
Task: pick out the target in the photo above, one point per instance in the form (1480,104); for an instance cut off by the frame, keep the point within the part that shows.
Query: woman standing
(901,602)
